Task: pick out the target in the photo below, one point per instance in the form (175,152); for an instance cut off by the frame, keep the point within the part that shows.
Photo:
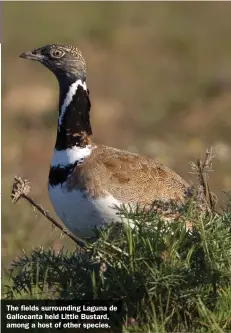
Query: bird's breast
(80,212)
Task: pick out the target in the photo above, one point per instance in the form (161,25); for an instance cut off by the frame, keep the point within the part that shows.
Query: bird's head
(65,61)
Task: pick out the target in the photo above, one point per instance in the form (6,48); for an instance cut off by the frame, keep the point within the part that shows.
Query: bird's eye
(57,53)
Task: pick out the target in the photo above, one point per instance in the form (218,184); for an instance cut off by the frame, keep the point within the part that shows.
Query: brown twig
(21,189)
(201,169)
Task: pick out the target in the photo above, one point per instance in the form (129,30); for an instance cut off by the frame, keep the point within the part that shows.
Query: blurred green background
(159,74)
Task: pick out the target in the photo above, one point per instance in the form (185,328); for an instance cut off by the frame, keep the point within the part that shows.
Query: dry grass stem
(21,189)
(201,170)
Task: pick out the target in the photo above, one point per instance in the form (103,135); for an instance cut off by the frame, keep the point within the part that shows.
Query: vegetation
(170,277)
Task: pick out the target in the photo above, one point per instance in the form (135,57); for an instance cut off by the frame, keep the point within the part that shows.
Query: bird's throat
(74,128)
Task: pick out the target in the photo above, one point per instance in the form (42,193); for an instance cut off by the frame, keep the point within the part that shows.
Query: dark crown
(65,61)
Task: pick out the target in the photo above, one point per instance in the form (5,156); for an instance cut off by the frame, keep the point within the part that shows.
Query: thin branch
(21,189)
(201,170)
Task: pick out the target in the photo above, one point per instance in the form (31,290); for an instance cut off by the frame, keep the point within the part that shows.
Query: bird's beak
(32,55)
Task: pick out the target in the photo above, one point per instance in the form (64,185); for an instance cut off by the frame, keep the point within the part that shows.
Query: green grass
(170,278)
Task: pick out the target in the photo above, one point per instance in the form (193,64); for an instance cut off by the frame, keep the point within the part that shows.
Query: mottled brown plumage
(128,177)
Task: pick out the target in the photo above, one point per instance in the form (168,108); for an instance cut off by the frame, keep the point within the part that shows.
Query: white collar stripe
(70,155)
(71,92)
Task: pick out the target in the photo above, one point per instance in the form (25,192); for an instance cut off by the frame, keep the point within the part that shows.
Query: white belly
(81,214)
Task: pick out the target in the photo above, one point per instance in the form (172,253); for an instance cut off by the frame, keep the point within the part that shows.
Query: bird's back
(128,177)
